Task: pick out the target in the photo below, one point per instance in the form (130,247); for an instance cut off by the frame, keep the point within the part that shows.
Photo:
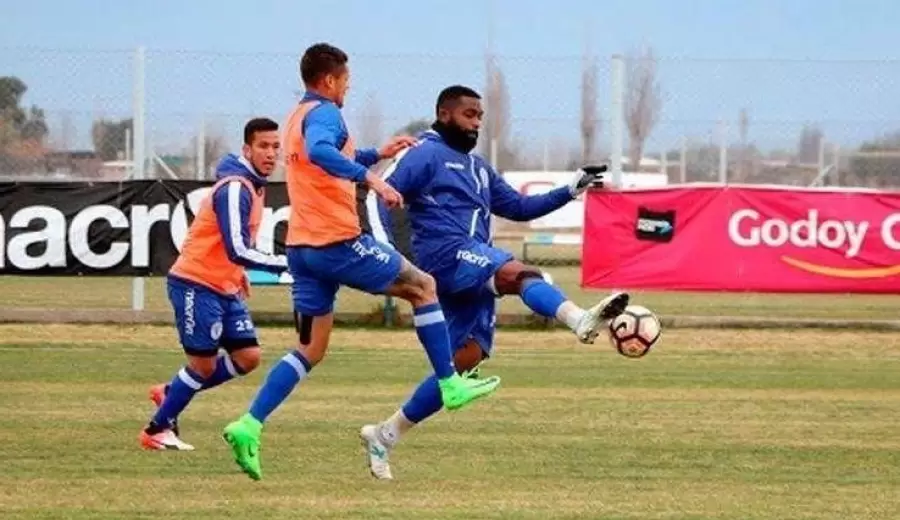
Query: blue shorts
(471,317)
(362,263)
(467,296)
(207,320)
(474,267)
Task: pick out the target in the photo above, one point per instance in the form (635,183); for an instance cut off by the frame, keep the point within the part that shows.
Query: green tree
(22,131)
(15,123)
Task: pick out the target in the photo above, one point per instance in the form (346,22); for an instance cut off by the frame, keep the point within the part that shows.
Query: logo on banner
(656,226)
(44,236)
(747,228)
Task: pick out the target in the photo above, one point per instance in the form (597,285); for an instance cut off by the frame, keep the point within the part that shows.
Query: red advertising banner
(743,238)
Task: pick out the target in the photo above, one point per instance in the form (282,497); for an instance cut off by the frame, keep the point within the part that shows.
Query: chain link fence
(71,112)
(793,122)
(114,115)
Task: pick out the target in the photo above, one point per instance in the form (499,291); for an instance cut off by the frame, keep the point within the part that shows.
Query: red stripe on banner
(714,238)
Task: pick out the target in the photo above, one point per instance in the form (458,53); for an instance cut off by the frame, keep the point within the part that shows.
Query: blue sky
(230,59)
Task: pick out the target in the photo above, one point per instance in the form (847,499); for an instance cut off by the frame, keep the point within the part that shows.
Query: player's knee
(421,290)
(427,287)
(314,352)
(514,276)
(247,359)
(530,273)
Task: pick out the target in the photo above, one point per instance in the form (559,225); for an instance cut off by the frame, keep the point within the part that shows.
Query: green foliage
(22,131)
(16,123)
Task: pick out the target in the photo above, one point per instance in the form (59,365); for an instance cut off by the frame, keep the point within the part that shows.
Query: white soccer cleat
(595,318)
(377,452)
(164,440)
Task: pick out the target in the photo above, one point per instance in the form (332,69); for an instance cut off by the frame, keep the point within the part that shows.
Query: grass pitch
(115,293)
(712,425)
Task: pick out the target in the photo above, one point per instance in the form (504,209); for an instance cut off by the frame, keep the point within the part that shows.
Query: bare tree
(808,145)
(589,120)
(643,102)
(214,148)
(496,127)
(371,121)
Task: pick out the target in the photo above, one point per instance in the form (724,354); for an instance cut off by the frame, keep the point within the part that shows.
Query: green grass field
(115,293)
(712,425)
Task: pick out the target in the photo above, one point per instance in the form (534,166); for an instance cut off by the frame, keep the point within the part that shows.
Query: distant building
(68,164)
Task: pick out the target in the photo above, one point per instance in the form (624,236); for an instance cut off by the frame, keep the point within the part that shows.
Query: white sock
(392,429)
(570,314)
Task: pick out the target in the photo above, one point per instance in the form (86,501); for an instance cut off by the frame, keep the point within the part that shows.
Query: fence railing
(143,113)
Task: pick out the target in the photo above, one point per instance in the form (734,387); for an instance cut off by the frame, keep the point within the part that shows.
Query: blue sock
(542,298)
(226,370)
(432,331)
(425,401)
(181,390)
(281,380)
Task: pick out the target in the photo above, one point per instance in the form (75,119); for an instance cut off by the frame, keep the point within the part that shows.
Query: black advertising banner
(132,228)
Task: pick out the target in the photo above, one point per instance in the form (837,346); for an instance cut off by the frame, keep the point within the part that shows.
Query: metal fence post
(201,150)
(139,155)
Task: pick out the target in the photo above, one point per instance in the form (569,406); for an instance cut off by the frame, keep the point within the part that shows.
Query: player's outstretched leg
(201,373)
(159,434)
(380,439)
(419,289)
(244,435)
(547,300)
(228,367)
(206,322)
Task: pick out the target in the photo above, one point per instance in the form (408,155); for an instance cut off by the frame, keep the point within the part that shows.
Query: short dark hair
(320,60)
(452,94)
(259,124)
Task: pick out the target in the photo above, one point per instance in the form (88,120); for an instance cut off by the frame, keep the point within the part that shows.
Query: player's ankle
(153,428)
(393,428)
(252,422)
(570,314)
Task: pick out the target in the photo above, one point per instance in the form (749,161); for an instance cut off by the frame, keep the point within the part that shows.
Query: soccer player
(327,249)
(208,284)
(451,196)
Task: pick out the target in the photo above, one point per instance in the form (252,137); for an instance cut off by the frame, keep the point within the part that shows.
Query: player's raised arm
(506,202)
(232,204)
(322,128)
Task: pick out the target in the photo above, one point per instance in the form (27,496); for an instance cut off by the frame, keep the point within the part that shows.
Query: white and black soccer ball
(634,332)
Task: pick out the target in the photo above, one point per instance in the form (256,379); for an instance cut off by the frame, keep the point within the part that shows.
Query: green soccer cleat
(457,391)
(243,436)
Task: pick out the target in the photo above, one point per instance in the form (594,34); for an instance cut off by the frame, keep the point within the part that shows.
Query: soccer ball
(634,332)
